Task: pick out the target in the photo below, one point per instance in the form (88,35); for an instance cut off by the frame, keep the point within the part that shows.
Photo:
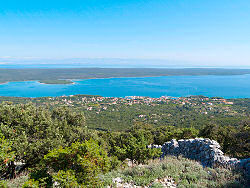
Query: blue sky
(203,32)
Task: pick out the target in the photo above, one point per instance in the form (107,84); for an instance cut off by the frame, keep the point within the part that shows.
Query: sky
(196,32)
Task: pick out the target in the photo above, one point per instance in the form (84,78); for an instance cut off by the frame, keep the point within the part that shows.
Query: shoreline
(2,83)
(170,97)
(72,83)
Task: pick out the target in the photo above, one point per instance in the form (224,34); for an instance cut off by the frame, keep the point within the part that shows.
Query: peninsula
(64,75)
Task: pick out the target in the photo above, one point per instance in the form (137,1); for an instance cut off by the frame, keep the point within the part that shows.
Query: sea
(233,86)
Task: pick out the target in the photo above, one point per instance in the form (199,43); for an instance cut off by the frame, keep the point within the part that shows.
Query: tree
(34,131)
(134,147)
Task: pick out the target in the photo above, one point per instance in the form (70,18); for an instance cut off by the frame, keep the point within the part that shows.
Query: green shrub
(41,175)
(184,172)
(156,185)
(233,140)
(80,163)
(7,156)
(31,184)
(115,162)
(3,184)
(131,146)
(35,131)
(65,179)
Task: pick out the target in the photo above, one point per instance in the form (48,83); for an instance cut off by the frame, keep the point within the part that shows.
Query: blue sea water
(236,86)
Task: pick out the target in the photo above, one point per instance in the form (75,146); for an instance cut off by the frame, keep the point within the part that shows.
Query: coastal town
(96,105)
(130,100)
(103,103)
(123,112)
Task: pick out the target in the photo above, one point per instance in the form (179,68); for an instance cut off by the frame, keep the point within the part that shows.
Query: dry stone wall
(203,150)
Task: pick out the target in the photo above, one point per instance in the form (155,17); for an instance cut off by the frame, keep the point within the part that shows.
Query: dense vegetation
(119,114)
(54,143)
(52,75)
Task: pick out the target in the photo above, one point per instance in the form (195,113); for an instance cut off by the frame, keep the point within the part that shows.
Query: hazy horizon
(29,62)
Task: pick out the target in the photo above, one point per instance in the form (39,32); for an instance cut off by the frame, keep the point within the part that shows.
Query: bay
(235,86)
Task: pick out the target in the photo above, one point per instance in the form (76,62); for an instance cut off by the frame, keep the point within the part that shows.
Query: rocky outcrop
(203,150)
(166,182)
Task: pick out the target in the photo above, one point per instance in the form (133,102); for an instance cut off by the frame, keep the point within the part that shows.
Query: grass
(186,173)
(17,182)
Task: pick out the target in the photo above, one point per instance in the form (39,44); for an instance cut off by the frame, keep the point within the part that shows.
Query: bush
(37,130)
(131,146)
(65,179)
(79,164)
(184,172)
(31,184)
(136,149)
(41,175)
(233,140)
(3,184)
(7,157)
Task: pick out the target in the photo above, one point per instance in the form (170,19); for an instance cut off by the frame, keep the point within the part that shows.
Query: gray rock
(204,150)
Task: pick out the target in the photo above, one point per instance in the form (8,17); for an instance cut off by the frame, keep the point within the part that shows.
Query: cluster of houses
(104,103)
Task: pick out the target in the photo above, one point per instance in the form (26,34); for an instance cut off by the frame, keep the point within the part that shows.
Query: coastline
(58,75)
(73,81)
(2,83)
(69,83)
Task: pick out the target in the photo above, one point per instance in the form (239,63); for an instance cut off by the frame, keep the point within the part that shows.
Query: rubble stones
(203,150)
(165,182)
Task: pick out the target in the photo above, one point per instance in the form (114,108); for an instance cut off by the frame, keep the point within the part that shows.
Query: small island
(56,82)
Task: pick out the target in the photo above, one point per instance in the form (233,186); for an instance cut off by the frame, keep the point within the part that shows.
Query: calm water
(176,86)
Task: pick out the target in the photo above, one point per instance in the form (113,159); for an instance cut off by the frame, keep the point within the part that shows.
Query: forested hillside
(53,75)
(77,138)
(119,114)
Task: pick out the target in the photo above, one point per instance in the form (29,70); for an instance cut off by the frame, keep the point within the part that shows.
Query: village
(98,103)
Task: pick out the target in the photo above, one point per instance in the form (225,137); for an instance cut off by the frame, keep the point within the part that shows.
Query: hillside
(62,140)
